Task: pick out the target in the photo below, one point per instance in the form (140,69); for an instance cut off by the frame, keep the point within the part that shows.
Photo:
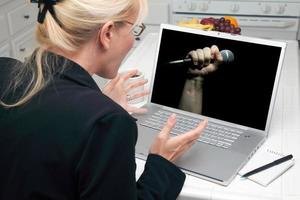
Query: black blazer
(70,141)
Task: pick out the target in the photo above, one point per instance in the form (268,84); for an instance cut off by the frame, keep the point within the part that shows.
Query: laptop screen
(239,92)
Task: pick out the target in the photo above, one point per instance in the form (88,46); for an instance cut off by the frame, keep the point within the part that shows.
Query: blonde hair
(75,22)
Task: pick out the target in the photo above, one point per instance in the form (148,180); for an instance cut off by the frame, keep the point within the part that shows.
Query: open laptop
(238,100)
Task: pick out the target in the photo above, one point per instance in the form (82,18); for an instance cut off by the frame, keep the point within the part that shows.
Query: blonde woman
(63,138)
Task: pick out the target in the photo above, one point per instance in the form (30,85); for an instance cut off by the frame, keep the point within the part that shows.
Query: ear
(105,34)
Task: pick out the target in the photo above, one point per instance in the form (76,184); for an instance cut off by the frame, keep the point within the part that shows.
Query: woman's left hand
(117,89)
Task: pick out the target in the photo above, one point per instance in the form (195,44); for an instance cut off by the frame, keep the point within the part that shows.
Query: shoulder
(96,103)
(78,104)
(107,110)
(118,125)
(6,68)
(6,61)
(7,64)
(79,100)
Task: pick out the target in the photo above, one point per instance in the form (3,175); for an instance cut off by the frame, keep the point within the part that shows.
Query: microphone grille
(227,56)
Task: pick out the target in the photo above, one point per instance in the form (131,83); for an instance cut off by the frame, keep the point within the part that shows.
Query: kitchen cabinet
(17,21)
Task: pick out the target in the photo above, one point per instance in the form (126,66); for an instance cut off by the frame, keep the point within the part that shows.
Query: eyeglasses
(138,29)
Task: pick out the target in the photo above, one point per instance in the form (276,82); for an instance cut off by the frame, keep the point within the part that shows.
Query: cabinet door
(22,17)
(158,12)
(4,51)
(3,2)
(24,45)
(4,34)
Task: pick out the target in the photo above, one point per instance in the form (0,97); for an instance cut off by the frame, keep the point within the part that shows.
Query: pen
(271,164)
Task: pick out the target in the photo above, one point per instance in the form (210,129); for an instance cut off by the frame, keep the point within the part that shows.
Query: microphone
(226,54)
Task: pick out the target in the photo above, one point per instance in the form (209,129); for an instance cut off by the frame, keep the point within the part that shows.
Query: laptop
(237,99)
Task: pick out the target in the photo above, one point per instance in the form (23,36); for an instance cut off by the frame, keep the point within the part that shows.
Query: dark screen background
(239,92)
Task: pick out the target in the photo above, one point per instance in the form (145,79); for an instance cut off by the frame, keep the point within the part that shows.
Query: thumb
(216,54)
(169,125)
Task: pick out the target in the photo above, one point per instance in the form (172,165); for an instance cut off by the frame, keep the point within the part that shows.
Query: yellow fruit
(232,20)
(194,21)
(196,26)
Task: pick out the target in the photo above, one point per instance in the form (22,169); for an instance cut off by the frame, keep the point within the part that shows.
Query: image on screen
(238,92)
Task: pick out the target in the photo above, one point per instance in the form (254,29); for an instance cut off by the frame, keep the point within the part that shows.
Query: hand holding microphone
(206,60)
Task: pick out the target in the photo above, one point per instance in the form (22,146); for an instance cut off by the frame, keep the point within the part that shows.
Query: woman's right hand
(171,148)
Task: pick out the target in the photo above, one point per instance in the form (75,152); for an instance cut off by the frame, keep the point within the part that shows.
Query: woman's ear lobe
(105,35)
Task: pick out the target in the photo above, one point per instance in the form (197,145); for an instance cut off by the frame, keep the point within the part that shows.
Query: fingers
(186,141)
(136,89)
(136,110)
(210,68)
(129,74)
(136,84)
(169,125)
(195,57)
(174,147)
(199,129)
(159,146)
(188,137)
(207,56)
(123,77)
(216,54)
(201,57)
(195,133)
(140,94)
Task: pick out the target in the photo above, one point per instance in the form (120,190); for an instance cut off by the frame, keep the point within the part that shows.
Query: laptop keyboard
(214,134)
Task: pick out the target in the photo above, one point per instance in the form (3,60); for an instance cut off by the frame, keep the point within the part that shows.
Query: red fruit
(206,21)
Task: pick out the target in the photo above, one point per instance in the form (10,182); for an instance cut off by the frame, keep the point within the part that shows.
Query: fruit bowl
(225,24)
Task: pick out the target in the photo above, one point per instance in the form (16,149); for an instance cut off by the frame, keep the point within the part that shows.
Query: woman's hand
(171,148)
(117,89)
(202,60)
